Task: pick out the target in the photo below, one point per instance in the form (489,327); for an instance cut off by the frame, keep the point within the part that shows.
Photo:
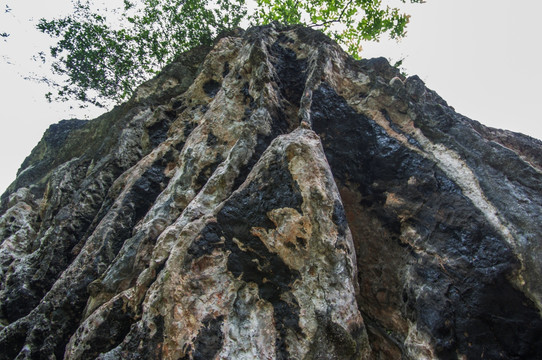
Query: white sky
(481,56)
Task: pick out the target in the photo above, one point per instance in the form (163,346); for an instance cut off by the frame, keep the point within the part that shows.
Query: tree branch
(335,20)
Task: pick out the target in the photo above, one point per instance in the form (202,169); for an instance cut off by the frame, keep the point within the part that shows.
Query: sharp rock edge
(269,197)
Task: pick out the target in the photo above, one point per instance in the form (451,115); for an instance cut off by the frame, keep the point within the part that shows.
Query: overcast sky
(481,56)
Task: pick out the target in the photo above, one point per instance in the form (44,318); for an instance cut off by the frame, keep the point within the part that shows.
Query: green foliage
(104,58)
(349,22)
(107,59)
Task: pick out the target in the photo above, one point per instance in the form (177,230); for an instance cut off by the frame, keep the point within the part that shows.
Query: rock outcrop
(272,198)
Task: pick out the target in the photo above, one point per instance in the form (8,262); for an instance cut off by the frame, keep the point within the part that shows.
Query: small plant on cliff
(106,54)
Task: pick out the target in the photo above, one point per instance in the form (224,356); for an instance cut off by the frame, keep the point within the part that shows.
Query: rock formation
(272,198)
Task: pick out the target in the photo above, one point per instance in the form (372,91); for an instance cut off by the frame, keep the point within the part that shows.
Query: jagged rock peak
(270,197)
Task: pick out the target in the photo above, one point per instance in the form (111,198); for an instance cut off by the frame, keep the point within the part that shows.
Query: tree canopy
(104,55)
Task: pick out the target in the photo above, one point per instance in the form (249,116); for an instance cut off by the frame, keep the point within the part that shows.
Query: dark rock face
(272,198)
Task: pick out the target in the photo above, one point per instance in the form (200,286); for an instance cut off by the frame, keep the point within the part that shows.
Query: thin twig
(335,20)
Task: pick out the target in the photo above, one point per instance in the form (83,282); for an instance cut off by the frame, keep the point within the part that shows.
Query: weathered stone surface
(272,198)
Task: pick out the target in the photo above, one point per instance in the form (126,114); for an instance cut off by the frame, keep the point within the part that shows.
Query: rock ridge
(271,197)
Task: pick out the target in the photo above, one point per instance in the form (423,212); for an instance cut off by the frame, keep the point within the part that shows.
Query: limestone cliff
(272,198)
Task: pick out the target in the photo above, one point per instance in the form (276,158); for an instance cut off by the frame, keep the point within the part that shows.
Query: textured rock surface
(272,198)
